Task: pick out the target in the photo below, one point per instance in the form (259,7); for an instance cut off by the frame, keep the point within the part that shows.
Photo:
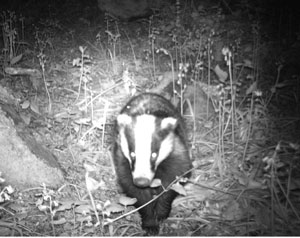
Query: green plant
(113,38)
(82,62)
(281,166)
(6,192)
(47,203)
(10,37)
(42,60)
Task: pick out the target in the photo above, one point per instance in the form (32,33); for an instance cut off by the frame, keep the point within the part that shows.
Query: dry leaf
(92,184)
(114,208)
(65,205)
(177,187)
(26,118)
(16,59)
(89,167)
(34,107)
(83,209)
(222,75)
(25,104)
(127,201)
(252,184)
(155,183)
(252,88)
(42,208)
(60,221)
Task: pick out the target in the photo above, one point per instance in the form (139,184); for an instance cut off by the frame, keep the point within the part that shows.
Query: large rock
(127,9)
(24,162)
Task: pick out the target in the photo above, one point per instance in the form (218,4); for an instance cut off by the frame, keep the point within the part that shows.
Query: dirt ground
(232,69)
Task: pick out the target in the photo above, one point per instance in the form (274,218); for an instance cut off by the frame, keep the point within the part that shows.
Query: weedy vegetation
(230,70)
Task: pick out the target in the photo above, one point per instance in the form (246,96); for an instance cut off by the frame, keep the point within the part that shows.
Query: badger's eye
(132,157)
(153,155)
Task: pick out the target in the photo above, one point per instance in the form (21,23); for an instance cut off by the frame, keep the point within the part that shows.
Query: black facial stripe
(156,142)
(130,139)
(152,167)
(157,138)
(164,133)
(132,163)
(160,113)
(129,135)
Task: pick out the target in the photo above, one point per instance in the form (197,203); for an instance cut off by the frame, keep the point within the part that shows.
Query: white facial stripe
(124,145)
(144,128)
(167,144)
(168,122)
(166,148)
(123,120)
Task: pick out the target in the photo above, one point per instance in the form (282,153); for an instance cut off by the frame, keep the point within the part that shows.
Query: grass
(240,101)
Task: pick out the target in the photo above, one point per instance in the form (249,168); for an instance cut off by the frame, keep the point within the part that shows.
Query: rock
(24,162)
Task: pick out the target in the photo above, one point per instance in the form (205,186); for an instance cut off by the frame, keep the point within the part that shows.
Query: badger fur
(150,144)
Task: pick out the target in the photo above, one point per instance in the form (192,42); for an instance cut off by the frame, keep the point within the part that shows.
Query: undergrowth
(245,146)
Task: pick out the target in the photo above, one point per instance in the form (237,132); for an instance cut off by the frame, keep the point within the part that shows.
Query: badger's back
(150,103)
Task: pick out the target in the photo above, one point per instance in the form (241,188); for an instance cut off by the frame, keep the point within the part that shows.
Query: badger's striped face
(145,141)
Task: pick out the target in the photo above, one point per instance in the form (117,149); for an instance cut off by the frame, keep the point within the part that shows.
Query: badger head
(145,141)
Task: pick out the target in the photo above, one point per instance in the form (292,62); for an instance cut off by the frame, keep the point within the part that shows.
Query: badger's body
(150,143)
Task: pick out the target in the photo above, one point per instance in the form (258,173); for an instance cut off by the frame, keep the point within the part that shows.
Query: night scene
(149,118)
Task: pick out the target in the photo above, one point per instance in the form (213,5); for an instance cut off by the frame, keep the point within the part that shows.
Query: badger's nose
(141,182)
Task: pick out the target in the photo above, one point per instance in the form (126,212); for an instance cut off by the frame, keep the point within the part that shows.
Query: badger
(150,144)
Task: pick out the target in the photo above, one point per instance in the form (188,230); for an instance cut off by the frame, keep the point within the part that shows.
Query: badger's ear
(123,120)
(168,123)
